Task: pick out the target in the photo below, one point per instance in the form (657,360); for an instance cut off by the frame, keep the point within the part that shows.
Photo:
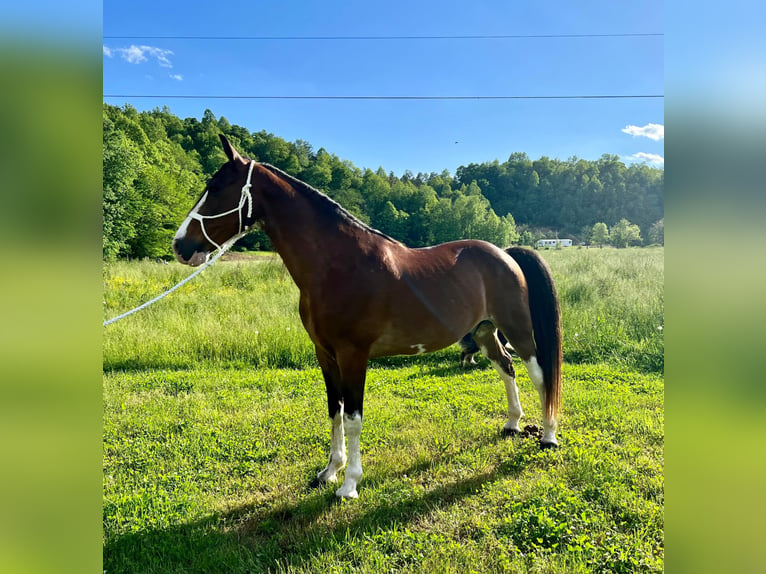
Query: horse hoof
(548,445)
(347,493)
(511,432)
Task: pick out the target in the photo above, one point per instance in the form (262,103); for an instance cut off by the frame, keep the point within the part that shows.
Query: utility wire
(356,38)
(223,97)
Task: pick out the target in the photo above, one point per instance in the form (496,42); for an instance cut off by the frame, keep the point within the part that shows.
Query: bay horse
(363,295)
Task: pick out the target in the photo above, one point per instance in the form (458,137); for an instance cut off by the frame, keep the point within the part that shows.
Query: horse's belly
(418,340)
(388,349)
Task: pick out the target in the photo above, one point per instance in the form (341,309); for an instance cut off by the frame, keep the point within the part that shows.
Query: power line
(372,38)
(224,97)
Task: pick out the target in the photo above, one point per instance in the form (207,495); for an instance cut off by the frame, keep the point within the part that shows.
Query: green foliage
(657,232)
(624,233)
(600,234)
(123,162)
(155,166)
(150,183)
(567,196)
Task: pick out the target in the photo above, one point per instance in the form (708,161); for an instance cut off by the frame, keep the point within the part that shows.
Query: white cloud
(178,77)
(137,54)
(649,157)
(654,132)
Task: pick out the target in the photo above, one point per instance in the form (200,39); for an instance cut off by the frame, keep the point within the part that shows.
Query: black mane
(326,203)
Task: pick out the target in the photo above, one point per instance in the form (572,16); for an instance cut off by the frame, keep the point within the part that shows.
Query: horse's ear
(230,152)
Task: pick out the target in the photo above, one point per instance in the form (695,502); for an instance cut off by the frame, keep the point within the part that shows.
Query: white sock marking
(536,374)
(353,426)
(337,450)
(514,405)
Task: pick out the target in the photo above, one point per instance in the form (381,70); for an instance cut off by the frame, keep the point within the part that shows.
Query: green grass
(215,423)
(612,304)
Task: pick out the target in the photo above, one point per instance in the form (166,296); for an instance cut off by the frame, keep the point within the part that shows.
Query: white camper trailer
(549,243)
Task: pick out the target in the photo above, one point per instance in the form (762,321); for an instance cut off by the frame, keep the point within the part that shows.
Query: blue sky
(419,135)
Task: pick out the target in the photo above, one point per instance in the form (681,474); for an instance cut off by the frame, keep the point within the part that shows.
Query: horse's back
(462,255)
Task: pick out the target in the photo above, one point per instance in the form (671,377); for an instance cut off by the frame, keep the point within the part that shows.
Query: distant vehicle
(547,243)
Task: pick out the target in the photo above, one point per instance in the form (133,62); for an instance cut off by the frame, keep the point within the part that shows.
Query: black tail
(546,322)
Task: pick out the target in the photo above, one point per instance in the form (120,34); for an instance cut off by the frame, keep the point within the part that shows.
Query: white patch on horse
(353,427)
(536,374)
(337,450)
(181,233)
(420,347)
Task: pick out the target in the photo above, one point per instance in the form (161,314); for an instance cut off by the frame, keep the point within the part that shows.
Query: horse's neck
(307,239)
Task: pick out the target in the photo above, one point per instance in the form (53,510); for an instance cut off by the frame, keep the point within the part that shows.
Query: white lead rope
(222,249)
(245,197)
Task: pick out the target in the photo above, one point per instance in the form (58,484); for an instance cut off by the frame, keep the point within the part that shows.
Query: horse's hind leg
(468,349)
(486,337)
(518,331)
(549,424)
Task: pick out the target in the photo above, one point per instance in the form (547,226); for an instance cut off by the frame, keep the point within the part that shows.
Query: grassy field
(215,424)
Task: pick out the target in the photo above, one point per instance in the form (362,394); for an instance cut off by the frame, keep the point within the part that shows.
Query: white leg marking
(514,405)
(536,374)
(353,426)
(512,392)
(181,233)
(337,450)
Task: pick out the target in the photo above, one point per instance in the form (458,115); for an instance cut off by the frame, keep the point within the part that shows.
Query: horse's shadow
(276,534)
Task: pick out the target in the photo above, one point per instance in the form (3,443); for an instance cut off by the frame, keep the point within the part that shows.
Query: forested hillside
(156,165)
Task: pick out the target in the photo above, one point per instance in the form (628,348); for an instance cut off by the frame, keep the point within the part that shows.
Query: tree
(657,232)
(393,221)
(585,234)
(600,234)
(445,224)
(624,233)
(122,162)
(526,238)
(149,184)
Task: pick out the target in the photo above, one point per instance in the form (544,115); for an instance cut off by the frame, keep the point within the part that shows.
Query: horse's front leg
(337,459)
(353,370)
(337,449)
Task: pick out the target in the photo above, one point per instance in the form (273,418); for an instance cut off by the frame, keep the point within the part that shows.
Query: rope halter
(246,197)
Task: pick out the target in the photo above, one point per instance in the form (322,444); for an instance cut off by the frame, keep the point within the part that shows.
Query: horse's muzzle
(189,252)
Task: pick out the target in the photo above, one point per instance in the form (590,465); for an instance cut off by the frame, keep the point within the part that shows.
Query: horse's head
(224,211)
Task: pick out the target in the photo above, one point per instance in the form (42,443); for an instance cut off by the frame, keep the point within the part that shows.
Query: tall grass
(234,314)
(612,303)
(245,313)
